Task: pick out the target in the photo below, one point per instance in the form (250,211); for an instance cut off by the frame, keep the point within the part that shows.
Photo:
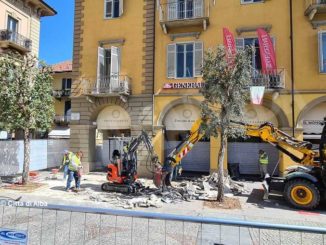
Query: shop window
(108,68)
(322,51)
(113,8)
(184,60)
(251,1)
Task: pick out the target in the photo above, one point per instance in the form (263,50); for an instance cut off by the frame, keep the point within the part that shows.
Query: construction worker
(67,155)
(263,163)
(74,169)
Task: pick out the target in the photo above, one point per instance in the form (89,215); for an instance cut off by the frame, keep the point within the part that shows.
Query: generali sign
(183,85)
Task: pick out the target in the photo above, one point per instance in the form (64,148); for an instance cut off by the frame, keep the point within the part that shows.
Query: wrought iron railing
(61,93)
(183,10)
(8,35)
(114,84)
(274,79)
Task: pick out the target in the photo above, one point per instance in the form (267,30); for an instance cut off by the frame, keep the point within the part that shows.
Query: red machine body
(114,175)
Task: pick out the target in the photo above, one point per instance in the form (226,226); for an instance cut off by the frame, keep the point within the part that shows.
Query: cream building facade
(20,24)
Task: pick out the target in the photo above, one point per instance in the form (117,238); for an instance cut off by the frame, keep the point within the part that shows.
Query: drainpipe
(292,66)
(153,87)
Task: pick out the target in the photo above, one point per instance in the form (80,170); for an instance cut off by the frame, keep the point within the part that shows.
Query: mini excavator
(122,172)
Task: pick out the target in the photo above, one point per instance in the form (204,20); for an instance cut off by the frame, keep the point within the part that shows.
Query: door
(246,155)
(197,160)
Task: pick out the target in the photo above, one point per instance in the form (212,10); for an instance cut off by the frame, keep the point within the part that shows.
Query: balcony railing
(314,7)
(107,86)
(15,40)
(275,79)
(184,13)
(61,93)
(62,119)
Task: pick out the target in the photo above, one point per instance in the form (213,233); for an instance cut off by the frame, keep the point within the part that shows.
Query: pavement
(59,227)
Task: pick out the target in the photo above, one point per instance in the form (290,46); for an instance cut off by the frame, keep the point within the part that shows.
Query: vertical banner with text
(267,53)
(229,45)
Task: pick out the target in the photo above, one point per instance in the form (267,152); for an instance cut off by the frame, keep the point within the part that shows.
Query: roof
(43,7)
(49,8)
(65,66)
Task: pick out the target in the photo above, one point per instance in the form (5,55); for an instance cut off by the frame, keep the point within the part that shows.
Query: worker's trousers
(263,170)
(73,175)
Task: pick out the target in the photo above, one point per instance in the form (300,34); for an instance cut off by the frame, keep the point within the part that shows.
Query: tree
(225,91)
(26,101)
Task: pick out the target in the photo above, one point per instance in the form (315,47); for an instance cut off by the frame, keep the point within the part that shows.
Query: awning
(60,133)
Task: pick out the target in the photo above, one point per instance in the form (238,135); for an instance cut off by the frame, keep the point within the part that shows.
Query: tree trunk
(220,184)
(27,150)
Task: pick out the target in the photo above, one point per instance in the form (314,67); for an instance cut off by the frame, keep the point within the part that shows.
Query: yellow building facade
(161,44)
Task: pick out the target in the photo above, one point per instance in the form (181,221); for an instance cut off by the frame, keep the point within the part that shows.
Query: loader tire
(302,194)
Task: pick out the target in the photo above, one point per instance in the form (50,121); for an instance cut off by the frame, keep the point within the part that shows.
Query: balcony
(62,120)
(274,80)
(316,10)
(115,85)
(181,14)
(61,93)
(14,40)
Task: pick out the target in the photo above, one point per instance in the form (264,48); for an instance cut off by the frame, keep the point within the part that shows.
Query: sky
(56,40)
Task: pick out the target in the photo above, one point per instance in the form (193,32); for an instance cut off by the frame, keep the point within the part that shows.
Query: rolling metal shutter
(197,160)
(246,154)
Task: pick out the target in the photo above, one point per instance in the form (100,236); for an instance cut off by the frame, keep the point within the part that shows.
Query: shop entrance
(113,129)
(178,123)
(244,152)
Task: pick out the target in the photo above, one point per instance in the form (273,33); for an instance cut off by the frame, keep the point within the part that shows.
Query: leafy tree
(225,94)
(26,102)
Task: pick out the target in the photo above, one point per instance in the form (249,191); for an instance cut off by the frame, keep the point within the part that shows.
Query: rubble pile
(204,188)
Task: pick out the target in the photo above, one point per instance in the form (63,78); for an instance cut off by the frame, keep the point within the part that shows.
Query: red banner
(267,53)
(229,44)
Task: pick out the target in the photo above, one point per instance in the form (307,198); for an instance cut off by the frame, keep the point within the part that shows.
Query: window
(252,1)
(241,43)
(184,60)
(12,27)
(12,24)
(67,108)
(322,51)
(66,83)
(185,9)
(108,68)
(113,8)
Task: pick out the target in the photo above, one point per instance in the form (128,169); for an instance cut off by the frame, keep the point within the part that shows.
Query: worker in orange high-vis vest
(263,163)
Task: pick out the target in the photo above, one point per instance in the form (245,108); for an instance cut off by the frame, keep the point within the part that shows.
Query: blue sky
(57,32)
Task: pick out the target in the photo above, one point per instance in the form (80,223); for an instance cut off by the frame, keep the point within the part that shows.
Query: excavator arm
(181,150)
(299,151)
